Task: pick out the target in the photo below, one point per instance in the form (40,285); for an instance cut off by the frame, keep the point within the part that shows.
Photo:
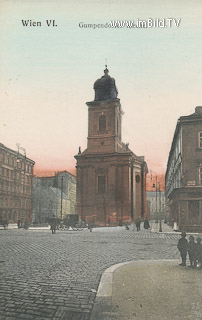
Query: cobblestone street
(45,276)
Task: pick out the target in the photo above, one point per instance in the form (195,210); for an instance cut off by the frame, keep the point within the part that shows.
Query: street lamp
(61,197)
(160,225)
(155,186)
(24,189)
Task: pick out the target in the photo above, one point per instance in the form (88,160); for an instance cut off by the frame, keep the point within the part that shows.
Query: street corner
(131,291)
(139,286)
(103,307)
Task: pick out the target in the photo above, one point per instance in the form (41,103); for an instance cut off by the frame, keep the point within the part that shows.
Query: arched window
(102,123)
(101,184)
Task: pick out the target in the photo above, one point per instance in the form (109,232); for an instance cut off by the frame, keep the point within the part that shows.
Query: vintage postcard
(100,159)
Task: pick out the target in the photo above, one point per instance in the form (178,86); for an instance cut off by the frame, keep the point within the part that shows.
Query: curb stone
(103,309)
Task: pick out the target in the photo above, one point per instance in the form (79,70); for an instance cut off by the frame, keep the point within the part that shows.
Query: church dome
(105,87)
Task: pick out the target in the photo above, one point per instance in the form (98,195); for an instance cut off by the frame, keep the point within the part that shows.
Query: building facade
(16,174)
(184,173)
(54,196)
(111,179)
(156,200)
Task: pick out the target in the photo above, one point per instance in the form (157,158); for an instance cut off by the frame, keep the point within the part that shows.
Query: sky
(47,75)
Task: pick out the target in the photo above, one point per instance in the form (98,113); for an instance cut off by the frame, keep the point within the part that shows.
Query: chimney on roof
(198,110)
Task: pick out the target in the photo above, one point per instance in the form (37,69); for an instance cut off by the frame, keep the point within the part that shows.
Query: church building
(111,179)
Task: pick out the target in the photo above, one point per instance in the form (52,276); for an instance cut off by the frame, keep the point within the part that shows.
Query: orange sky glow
(47,76)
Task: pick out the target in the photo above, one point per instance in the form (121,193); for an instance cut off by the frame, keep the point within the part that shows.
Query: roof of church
(105,87)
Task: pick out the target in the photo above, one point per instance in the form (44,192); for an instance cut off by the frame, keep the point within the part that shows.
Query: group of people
(138,224)
(194,250)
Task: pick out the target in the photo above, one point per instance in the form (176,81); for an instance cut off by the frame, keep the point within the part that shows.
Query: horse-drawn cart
(69,223)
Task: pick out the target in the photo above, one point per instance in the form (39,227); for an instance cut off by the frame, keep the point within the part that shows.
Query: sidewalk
(164,227)
(149,290)
(155,227)
(14,226)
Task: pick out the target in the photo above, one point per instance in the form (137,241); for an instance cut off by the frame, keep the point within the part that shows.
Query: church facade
(111,179)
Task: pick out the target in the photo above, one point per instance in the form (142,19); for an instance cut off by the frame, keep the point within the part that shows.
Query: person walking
(192,247)
(183,247)
(146,224)
(53,224)
(138,223)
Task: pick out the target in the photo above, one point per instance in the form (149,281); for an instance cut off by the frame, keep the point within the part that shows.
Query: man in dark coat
(183,247)
(53,224)
(146,224)
(138,222)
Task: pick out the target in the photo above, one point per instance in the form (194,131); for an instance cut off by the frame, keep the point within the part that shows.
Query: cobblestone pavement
(45,276)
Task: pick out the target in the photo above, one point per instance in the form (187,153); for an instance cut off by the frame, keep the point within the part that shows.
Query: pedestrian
(138,223)
(19,223)
(182,247)
(53,224)
(175,227)
(199,252)
(146,224)
(192,248)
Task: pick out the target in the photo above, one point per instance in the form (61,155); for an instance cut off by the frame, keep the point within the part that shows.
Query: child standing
(192,248)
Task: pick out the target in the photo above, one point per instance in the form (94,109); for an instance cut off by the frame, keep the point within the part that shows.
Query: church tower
(111,179)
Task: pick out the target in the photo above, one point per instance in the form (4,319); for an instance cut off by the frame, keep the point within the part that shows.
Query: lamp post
(160,225)
(24,189)
(131,190)
(155,185)
(61,197)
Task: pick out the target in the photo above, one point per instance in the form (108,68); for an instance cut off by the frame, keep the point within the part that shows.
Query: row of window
(10,174)
(176,180)
(14,203)
(102,183)
(154,209)
(10,187)
(13,215)
(178,149)
(15,162)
